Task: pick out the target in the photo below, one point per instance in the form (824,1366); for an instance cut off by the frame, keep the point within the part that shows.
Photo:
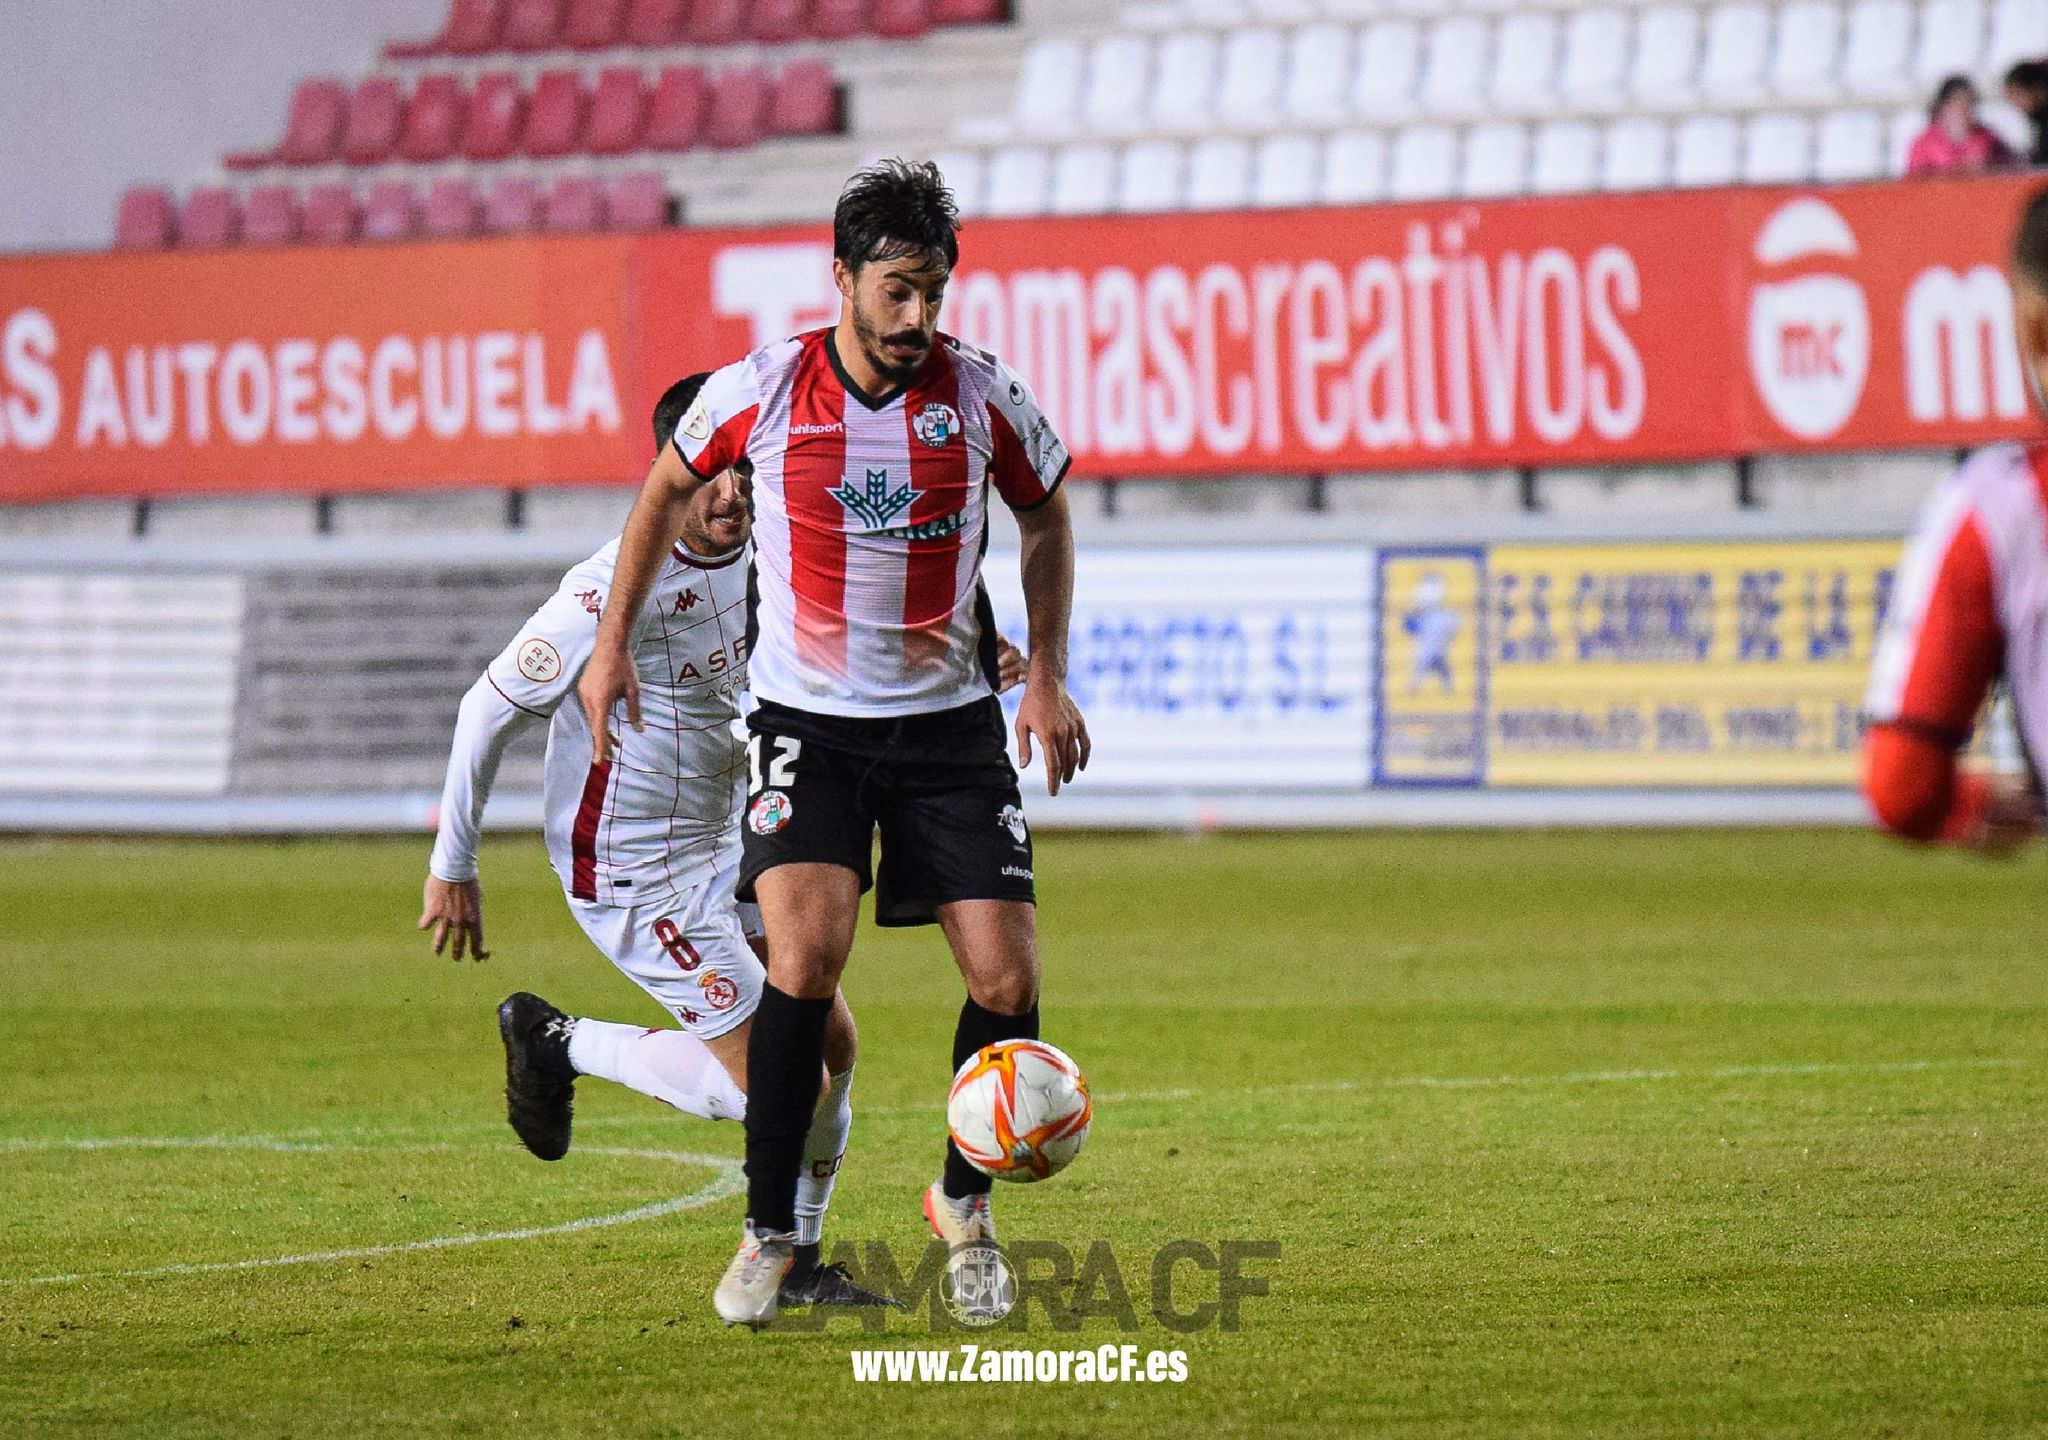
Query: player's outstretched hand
(1009,665)
(455,908)
(608,678)
(1049,714)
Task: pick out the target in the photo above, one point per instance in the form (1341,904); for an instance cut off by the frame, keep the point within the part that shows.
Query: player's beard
(874,344)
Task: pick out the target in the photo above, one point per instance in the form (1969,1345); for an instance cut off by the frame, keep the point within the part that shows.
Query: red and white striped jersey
(870,518)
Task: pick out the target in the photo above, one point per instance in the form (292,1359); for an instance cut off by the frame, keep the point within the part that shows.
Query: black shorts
(939,787)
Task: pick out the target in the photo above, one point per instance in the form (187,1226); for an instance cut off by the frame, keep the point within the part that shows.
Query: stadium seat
(2019,31)
(902,19)
(144,220)
(806,100)
(1738,40)
(776,22)
(839,19)
(970,12)
(1951,41)
(1667,48)
(1318,74)
(554,115)
(1777,149)
(1706,151)
(451,209)
(270,215)
(532,26)
(1083,180)
(1454,67)
(209,219)
(574,203)
(1388,59)
(1905,127)
(716,22)
(312,128)
(739,108)
(491,131)
(1219,174)
(594,25)
(676,114)
(511,205)
(1849,146)
(1879,44)
(1183,84)
(1595,60)
(1049,85)
(638,202)
(1284,172)
(1566,159)
(391,211)
(652,24)
(1017,177)
(1425,164)
(472,28)
(1496,160)
(1634,155)
(618,112)
(1150,179)
(433,120)
(1251,67)
(330,217)
(1525,63)
(1354,168)
(1808,51)
(964,172)
(376,115)
(1119,68)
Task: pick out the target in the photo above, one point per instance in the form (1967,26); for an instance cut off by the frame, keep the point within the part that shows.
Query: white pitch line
(728,1181)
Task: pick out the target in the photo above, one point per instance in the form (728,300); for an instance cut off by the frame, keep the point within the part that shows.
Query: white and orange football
(1019,1110)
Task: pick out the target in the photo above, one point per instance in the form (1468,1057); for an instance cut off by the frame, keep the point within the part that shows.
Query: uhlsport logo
(937,424)
(1809,331)
(770,812)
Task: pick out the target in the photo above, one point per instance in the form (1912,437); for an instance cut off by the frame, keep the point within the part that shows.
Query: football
(1019,1110)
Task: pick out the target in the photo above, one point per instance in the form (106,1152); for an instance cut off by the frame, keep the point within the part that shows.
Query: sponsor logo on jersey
(697,424)
(590,601)
(539,661)
(719,992)
(875,505)
(770,812)
(1012,819)
(937,424)
(934,529)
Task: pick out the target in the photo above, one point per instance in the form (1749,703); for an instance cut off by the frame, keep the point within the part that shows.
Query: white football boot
(747,1292)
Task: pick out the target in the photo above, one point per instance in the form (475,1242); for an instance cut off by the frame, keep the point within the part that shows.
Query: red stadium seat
(312,129)
(513,206)
(806,100)
(651,24)
(391,211)
(777,22)
(639,202)
(532,25)
(433,122)
(576,203)
(376,115)
(618,113)
(716,22)
(554,115)
(902,19)
(675,118)
(270,216)
(739,108)
(839,19)
(594,24)
(209,219)
(330,217)
(970,12)
(495,110)
(451,210)
(472,29)
(144,219)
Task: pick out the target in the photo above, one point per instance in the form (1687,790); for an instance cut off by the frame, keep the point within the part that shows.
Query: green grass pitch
(1626,1135)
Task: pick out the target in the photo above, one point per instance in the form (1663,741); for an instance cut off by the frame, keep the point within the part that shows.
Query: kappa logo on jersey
(719,992)
(539,661)
(770,812)
(697,424)
(937,424)
(1012,819)
(877,505)
(686,600)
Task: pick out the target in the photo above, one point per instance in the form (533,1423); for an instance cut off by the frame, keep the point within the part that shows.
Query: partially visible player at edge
(873,444)
(1966,611)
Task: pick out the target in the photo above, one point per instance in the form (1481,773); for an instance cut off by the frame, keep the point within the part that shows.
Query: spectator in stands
(2026,86)
(1955,141)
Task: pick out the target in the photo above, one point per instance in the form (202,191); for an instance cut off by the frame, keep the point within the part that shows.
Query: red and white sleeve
(1030,459)
(713,434)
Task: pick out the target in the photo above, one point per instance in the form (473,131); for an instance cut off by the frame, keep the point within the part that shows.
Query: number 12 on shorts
(781,765)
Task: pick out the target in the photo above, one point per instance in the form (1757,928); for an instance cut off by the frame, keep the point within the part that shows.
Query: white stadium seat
(1284,12)
(1525,63)
(963,170)
(1219,174)
(1354,170)
(1454,68)
(1667,53)
(1808,50)
(1496,160)
(1738,40)
(1595,60)
(1777,149)
(1119,67)
(1216,12)
(1874,56)
(1388,59)
(1184,80)
(1084,180)
(1425,164)
(1049,87)
(1951,40)
(1253,61)
(1016,181)
(1635,156)
(1567,158)
(1899,135)
(1151,176)
(1284,171)
(1849,145)
(1318,73)
(1706,151)
(2019,31)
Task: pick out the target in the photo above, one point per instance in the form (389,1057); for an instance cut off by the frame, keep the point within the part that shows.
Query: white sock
(823,1151)
(673,1066)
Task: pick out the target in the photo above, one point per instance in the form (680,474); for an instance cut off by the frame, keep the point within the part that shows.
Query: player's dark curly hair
(674,404)
(895,208)
(2030,240)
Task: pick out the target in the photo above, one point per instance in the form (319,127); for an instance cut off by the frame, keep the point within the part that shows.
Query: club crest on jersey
(719,992)
(937,424)
(770,812)
(877,506)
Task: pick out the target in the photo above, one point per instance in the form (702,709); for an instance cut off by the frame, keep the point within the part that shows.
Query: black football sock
(978,1027)
(785,1057)
(806,1261)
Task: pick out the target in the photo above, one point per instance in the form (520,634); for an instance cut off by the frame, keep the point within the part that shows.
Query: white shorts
(690,954)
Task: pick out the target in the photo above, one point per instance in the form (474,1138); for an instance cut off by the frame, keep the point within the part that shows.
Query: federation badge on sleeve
(539,661)
(697,424)
(770,812)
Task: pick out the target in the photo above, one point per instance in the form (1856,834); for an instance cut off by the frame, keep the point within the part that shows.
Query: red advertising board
(1576,331)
